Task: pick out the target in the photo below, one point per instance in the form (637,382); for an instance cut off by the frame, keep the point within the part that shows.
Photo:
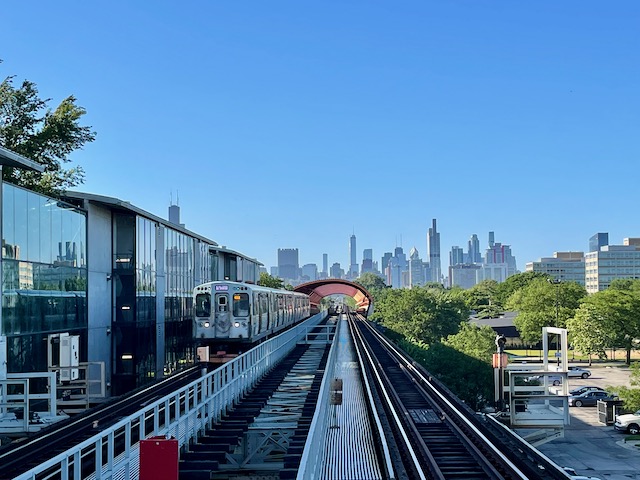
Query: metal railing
(182,415)
(16,396)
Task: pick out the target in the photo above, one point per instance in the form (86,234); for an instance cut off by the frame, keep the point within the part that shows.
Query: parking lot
(590,447)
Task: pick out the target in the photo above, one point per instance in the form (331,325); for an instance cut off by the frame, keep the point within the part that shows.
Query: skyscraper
(367,260)
(474,250)
(416,268)
(433,249)
(597,241)
(288,263)
(325,264)
(353,268)
(456,256)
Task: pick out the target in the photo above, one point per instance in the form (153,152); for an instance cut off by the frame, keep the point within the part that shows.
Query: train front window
(203,305)
(240,305)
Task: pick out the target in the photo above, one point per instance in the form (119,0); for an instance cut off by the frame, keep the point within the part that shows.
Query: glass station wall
(44,276)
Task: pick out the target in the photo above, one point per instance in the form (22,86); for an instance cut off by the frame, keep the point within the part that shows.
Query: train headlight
(207,324)
(236,324)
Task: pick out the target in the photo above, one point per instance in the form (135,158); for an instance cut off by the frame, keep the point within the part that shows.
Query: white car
(578,372)
(629,423)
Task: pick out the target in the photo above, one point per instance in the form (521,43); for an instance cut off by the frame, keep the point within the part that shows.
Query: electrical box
(159,458)
(69,357)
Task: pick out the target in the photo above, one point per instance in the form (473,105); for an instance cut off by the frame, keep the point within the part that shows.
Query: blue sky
(293,124)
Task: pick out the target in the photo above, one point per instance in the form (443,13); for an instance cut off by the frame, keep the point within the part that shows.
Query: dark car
(589,399)
(580,390)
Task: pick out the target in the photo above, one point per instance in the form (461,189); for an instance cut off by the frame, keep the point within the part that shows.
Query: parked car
(629,423)
(589,399)
(552,379)
(581,390)
(578,372)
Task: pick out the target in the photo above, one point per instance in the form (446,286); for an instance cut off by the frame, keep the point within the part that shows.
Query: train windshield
(240,305)
(203,305)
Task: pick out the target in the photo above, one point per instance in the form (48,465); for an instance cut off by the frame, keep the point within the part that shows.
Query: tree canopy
(372,282)
(421,314)
(269,281)
(540,302)
(31,129)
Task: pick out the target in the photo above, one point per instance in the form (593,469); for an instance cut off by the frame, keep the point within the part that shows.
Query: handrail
(182,414)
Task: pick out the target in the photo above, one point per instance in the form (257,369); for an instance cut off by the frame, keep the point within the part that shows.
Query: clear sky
(286,124)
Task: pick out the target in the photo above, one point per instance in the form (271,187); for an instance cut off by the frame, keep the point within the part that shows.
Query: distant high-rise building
(353,267)
(336,271)
(463,274)
(499,263)
(456,256)
(288,265)
(416,269)
(384,262)
(396,268)
(563,266)
(433,249)
(325,264)
(597,241)
(474,255)
(367,260)
(612,262)
(309,272)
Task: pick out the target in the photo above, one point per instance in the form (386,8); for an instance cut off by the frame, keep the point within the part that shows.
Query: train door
(222,315)
(264,312)
(280,319)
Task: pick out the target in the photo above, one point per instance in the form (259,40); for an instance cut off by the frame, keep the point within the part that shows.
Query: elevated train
(230,317)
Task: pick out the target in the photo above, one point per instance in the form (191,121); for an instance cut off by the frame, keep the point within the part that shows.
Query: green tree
(587,331)
(48,137)
(630,395)
(513,283)
(420,314)
(473,340)
(619,311)
(482,299)
(540,302)
(269,281)
(372,282)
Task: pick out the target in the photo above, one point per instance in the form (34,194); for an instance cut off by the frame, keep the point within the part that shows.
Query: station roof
(319,289)
(13,159)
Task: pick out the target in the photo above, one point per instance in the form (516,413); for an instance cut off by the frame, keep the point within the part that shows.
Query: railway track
(235,447)
(436,435)
(19,457)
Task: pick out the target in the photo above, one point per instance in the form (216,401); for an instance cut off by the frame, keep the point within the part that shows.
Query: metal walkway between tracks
(349,450)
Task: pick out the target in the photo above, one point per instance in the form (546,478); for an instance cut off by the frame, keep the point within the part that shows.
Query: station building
(115,277)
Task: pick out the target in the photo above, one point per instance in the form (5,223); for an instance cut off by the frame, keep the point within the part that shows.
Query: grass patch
(632,438)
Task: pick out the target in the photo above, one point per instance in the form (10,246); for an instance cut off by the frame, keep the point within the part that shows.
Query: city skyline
(298,124)
(446,263)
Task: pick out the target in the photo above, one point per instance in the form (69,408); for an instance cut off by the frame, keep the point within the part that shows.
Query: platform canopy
(319,289)
(12,159)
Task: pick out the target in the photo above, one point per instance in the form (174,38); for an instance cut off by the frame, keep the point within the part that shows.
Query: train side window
(203,305)
(240,305)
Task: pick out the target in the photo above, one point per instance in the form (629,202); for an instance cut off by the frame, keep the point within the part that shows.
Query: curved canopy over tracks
(319,289)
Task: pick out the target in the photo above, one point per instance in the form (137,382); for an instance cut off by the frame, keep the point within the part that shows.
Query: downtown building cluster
(400,270)
(594,269)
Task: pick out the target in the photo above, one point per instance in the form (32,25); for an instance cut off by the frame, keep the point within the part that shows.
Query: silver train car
(231,315)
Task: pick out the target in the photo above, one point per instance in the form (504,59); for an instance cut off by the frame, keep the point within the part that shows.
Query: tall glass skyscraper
(433,249)
(353,267)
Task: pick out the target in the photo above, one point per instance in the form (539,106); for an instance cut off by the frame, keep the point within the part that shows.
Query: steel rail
(408,363)
(387,395)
